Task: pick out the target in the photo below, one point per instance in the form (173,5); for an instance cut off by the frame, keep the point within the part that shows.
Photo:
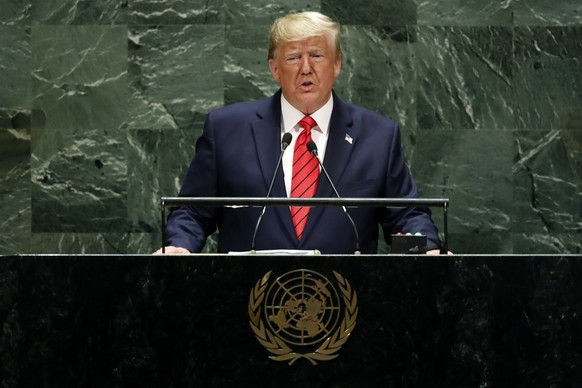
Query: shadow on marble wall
(101,103)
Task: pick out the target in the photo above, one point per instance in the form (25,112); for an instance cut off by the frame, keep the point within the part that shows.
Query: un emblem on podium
(301,314)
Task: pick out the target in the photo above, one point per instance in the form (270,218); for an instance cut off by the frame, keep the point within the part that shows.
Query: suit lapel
(267,136)
(339,149)
(341,142)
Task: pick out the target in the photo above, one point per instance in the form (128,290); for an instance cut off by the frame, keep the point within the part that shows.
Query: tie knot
(307,123)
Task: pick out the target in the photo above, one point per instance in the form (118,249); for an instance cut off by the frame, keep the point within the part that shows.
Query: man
(237,154)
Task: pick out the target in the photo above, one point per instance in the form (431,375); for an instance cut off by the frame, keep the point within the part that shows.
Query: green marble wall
(101,102)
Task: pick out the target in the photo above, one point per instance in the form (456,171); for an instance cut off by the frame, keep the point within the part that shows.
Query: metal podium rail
(167,202)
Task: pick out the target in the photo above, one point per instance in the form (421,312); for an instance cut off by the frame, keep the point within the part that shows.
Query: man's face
(306,71)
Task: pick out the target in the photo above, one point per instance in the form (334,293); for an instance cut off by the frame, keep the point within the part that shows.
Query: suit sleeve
(189,227)
(401,184)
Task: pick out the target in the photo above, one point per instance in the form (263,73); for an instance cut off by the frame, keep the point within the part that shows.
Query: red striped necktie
(305,175)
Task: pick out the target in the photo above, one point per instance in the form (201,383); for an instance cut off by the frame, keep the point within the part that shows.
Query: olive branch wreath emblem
(279,349)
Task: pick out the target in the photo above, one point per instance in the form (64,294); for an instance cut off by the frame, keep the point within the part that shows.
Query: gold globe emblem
(302,315)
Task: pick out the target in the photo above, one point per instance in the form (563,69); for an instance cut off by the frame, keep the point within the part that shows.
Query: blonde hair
(303,25)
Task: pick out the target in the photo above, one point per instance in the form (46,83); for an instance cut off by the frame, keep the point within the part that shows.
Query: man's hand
(172,251)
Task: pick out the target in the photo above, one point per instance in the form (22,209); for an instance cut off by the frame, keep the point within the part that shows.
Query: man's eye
(317,57)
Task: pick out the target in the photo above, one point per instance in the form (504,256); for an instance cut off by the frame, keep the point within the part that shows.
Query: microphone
(311,147)
(284,144)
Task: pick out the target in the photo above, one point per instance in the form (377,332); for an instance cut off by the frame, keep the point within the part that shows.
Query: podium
(183,321)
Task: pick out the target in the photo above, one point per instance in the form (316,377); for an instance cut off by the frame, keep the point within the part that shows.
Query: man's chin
(309,103)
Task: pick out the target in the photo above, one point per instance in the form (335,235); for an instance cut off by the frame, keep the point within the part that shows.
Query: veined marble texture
(101,104)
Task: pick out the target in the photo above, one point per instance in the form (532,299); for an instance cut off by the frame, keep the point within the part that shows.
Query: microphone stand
(312,147)
(284,144)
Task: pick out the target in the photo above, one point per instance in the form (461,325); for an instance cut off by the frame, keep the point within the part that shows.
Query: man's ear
(337,66)
(274,70)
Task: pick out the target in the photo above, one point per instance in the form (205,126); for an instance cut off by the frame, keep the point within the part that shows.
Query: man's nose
(306,64)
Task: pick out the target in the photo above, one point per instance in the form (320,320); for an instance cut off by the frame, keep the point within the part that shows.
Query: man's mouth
(307,85)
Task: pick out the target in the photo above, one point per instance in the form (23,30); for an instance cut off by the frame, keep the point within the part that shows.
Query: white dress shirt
(319,134)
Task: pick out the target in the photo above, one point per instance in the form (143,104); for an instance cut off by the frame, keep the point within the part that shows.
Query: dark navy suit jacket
(237,154)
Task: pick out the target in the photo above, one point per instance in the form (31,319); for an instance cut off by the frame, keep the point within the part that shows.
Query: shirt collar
(292,115)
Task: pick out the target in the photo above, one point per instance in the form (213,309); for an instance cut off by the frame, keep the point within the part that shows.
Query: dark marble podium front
(153,321)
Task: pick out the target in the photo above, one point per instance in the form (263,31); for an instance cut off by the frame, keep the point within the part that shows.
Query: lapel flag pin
(349,139)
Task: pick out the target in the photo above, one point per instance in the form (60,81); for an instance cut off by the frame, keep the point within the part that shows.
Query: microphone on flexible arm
(312,147)
(284,144)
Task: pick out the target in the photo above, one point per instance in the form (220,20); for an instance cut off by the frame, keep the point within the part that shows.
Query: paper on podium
(278,252)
